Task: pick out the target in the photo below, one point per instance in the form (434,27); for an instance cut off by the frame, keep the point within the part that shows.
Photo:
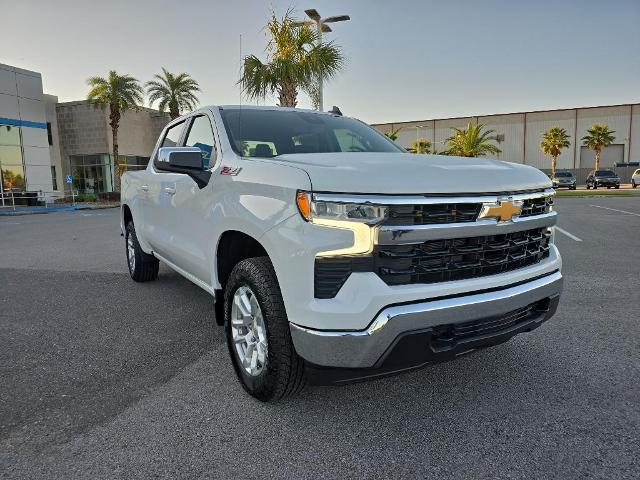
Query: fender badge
(226,170)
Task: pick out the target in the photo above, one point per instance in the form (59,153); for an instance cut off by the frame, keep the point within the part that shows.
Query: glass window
(49,134)
(201,136)
(605,173)
(277,132)
(12,177)
(172,137)
(9,135)
(10,155)
(54,179)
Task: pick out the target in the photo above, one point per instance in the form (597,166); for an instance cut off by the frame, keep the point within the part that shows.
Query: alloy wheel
(248,331)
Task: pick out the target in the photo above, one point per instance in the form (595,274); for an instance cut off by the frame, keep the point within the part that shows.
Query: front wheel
(142,266)
(633,184)
(257,331)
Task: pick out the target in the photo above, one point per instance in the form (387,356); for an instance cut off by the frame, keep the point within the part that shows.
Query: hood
(405,173)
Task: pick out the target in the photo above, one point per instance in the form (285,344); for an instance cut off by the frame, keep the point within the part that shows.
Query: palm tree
(598,137)
(295,61)
(421,146)
(471,142)
(120,93)
(178,92)
(393,134)
(553,141)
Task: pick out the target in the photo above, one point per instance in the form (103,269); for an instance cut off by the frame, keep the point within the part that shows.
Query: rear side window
(201,136)
(172,137)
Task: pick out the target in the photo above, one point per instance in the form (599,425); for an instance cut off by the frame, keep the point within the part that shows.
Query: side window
(172,136)
(201,136)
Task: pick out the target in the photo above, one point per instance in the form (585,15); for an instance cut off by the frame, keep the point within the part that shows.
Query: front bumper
(411,335)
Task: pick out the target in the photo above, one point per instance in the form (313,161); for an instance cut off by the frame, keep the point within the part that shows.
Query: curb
(18,213)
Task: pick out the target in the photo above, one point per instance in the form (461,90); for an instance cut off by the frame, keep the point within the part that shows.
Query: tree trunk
(597,159)
(174,111)
(287,95)
(554,161)
(114,121)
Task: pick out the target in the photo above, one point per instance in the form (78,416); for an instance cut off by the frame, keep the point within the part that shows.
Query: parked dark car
(564,180)
(603,178)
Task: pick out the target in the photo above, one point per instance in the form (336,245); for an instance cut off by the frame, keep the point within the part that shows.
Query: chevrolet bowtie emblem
(503,210)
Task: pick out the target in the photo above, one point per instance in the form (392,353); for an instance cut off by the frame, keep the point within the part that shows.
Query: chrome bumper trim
(401,234)
(363,348)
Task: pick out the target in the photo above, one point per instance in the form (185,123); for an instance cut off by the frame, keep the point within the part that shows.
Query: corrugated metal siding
(617,118)
(443,129)
(537,124)
(512,127)
(519,140)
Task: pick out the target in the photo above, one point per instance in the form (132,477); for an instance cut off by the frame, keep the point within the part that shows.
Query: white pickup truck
(333,255)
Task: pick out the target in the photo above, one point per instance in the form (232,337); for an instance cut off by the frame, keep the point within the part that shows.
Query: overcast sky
(405,59)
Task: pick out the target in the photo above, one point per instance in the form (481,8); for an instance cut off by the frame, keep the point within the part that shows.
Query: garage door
(608,158)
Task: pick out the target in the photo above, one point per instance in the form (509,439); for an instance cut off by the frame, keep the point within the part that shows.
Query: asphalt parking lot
(105,378)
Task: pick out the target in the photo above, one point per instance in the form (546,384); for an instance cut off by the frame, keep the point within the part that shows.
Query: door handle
(144,188)
(170,190)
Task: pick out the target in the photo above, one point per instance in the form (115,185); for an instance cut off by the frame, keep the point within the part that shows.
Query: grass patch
(597,193)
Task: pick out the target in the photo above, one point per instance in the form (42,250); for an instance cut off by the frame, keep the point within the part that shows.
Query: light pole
(321,25)
(418,127)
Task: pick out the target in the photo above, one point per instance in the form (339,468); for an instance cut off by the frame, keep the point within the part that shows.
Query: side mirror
(179,159)
(187,160)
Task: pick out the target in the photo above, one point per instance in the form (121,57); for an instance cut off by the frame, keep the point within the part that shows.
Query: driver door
(191,205)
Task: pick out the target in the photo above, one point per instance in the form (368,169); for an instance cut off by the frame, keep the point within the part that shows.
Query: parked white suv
(333,255)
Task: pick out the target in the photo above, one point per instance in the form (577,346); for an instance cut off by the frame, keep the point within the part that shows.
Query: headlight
(313,210)
(359,218)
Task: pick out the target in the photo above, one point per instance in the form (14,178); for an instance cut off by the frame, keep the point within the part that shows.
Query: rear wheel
(142,266)
(257,331)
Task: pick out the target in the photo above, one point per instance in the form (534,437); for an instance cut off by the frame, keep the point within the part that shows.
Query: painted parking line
(570,235)
(616,210)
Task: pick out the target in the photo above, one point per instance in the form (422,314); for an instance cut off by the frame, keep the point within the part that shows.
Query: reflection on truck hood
(400,173)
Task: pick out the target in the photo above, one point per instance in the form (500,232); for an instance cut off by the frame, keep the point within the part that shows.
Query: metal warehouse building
(519,134)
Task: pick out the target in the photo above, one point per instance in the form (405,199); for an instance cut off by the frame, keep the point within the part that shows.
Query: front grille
(460,258)
(536,206)
(436,260)
(432,214)
(447,336)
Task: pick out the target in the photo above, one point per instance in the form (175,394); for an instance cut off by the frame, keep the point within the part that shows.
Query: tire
(281,374)
(633,184)
(588,187)
(595,187)
(142,266)
(617,187)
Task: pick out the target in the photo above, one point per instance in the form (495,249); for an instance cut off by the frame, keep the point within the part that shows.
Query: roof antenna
(335,111)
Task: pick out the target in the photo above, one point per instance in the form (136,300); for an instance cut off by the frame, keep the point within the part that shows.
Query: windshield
(564,174)
(268,133)
(605,173)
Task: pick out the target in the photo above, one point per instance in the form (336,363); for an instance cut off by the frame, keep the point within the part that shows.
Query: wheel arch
(233,247)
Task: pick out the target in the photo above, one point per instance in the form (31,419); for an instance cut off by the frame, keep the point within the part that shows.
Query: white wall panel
(8,81)
(616,118)
(31,110)
(36,156)
(9,106)
(443,129)
(29,86)
(537,124)
(35,137)
(39,178)
(512,127)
